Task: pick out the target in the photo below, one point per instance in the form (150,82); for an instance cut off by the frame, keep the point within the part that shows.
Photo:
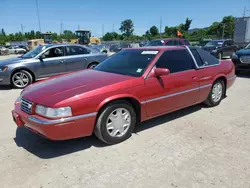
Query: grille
(26,106)
(245,59)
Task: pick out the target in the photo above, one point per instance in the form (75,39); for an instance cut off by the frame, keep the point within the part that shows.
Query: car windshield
(214,43)
(34,52)
(155,43)
(128,62)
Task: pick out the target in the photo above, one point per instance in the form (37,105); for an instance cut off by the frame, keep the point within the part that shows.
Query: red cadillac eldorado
(131,86)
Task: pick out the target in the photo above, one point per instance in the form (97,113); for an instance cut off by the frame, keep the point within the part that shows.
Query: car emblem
(29,106)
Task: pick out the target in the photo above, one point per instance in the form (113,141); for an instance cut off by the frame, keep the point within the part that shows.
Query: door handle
(61,61)
(85,59)
(194,77)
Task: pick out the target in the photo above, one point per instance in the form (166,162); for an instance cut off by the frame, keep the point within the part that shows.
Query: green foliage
(127,27)
(154,30)
(109,36)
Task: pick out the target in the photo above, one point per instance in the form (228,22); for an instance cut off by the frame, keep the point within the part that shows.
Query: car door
(77,58)
(226,49)
(52,62)
(176,90)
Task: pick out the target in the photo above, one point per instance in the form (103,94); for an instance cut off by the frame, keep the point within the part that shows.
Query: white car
(16,50)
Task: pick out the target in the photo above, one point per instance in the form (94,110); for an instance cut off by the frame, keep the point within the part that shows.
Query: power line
(38,16)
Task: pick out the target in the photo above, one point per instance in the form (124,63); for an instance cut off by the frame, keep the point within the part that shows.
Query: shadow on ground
(243,74)
(47,149)
(5,88)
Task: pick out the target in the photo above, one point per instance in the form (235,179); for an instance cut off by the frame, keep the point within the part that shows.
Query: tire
(92,65)
(211,99)
(26,76)
(108,113)
(220,56)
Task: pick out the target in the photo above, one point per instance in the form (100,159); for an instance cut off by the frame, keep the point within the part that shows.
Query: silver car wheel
(20,79)
(118,122)
(217,92)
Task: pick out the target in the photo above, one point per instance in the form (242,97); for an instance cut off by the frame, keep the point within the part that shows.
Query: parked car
(129,87)
(169,42)
(241,59)
(46,61)
(221,48)
(3,50)
(16,50)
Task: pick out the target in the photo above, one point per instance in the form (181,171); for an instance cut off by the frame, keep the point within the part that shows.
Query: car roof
(167,39)
(61,45)
(158,48)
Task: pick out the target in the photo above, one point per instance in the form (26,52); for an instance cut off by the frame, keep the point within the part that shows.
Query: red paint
(88,91)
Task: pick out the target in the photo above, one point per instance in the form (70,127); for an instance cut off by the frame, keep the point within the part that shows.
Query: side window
(177,43)
(170,43)
(54,52)
(175,61)
(230,43)
(186,42)
(197,57)
(226,43)
(207,58)
(76,50)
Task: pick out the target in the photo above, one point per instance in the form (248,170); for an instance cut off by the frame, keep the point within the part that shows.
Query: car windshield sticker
(139,70)
(150,52)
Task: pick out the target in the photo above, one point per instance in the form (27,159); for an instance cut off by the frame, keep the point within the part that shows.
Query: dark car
(46,61)
(241,59)
(221,48)
(169,42)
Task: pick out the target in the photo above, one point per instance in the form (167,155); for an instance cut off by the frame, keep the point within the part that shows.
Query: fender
(116,97)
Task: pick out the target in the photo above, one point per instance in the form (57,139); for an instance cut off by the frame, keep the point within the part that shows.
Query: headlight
(234,56)
(53,112)
(3,69)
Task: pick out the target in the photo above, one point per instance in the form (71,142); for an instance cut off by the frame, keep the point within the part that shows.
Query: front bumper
(239,66)
(59,129)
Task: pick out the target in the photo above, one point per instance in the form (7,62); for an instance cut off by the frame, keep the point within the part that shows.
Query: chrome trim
(232,77)
(194,60)
(62,120)
(175,94)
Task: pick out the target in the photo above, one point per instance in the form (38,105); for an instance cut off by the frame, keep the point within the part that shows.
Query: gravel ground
(196,147)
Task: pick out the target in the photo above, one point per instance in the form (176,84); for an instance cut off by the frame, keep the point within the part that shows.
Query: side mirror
(161,72)
(41,57)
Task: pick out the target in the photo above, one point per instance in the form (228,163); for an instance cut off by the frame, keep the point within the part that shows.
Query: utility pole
(113,28)
(38,16)
(160,25)
(61,25)
(78,27)
(102,30)
(22,27)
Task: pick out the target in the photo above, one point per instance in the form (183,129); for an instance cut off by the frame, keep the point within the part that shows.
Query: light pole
(38,16)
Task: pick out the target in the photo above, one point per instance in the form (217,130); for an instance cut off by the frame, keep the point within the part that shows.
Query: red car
(130,87)
(169,42)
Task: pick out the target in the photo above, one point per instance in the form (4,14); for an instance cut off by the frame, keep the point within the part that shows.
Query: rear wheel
(216,94)
(21,79)
(115,122)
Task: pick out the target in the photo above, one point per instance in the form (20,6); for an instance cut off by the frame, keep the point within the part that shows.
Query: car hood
(209,48)
(243,52)
(84,83)
(12,61)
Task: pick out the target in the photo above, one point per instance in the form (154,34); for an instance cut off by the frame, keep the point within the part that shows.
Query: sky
(92,14)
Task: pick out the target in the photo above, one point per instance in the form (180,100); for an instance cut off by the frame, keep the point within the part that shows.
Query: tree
(3,32)
(154,30)
(187,24)
(229,23)
(108,37)
(170,31)
(127,27)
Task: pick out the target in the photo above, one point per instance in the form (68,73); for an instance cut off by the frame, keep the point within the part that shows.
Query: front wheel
(220,56)
(21,79)
(216,94)
(115,122)
(92,65)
